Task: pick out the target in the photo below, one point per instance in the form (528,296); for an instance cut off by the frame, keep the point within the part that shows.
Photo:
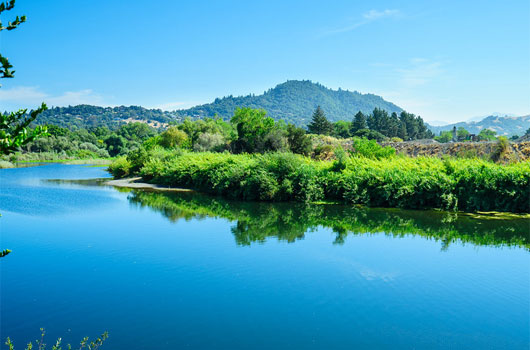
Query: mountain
(506,126)
(295,101)
(495,114)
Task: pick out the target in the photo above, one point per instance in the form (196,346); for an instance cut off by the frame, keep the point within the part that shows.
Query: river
(183,270)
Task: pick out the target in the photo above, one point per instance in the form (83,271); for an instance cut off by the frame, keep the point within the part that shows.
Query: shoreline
(133,182)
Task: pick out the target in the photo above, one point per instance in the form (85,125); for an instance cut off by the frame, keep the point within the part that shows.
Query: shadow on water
(256,222)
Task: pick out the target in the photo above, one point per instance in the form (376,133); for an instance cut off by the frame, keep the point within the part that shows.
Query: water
(172,271)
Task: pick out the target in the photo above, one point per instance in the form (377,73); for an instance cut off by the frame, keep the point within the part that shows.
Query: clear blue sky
(444,60)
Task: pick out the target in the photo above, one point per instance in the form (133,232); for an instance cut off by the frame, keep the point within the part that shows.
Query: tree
(359,122)
(320,125)
(252,126)
(462,134)
(298,141)
(341,129)
(13,126)
(486,135)
(173,137)
(445,136)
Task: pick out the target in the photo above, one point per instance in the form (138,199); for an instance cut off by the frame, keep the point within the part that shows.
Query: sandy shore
(135,182)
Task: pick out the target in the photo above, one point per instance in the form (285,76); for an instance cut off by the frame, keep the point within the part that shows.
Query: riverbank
(136,183)
(468,185)
(4,164)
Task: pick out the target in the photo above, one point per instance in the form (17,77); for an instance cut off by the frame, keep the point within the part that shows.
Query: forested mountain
(86,116)
(507,126)
(295,101)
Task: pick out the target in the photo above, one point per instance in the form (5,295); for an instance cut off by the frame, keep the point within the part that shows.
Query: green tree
(445,136)
(252,126)
(173,137)
(486,135)
(359,122)
(14,126)
(341,129)
(462,134)
(298,141)
(320,125)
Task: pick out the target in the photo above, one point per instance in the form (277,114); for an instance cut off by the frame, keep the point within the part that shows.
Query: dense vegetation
(98,142)
(87,116)
(258,221)
(466,185)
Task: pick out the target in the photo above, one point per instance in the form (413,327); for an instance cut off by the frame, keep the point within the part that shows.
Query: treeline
(96,142)
(378,125)
(88,116)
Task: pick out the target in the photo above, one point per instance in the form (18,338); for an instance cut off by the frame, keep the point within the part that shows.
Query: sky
(444,60)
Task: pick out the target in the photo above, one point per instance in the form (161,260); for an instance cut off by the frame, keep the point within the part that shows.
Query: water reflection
(256,222)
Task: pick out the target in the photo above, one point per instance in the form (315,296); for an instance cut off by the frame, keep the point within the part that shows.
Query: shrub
(120,167)
(371,149)
(208,142)
(500,149)
(173,137)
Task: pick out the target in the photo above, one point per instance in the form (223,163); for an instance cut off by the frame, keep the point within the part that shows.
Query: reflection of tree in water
(255,222)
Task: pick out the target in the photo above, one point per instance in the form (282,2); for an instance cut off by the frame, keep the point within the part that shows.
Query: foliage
(369,134)
(298,141)
(84,344)
(252,126)
(320,125)
(371,149)
(444,137)
(120,167)
(208,142)
(14,129)
(486,135)
(4,252)
(173,137)
(359,123)
(87,116)
(468,185)
(500,149)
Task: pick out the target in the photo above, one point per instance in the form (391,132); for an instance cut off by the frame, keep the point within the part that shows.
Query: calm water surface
(175,271)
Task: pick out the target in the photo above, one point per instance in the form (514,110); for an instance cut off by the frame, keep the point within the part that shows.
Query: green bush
(120,167)
(371,149)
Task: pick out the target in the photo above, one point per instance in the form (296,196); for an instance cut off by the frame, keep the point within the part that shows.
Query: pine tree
(359,122)
(320,125)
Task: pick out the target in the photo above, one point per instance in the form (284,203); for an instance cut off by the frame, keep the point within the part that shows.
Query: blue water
(88,259)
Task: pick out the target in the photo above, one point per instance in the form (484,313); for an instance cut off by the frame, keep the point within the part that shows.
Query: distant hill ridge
(506,126)
(293,101)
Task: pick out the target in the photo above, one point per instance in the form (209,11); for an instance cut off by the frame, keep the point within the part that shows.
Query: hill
(85,116)
(507,126)
(295,101)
